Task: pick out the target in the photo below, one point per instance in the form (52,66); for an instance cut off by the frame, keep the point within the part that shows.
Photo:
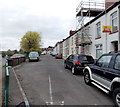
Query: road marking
(61,71)
(51,95)
(62,103)
(50,89)
(22,91)
(17,66)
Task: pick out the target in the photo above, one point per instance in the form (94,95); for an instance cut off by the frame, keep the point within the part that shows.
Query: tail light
(77,63)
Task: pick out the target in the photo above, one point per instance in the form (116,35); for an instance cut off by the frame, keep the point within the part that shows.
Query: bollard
(6,85)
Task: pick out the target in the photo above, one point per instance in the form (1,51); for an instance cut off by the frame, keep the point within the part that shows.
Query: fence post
(6,85)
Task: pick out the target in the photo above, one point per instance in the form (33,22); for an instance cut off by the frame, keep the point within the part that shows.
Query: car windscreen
(33,54)
(54,53)
(58,54)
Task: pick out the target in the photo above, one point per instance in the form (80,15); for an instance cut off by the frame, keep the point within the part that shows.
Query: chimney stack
(108,3)
(72,32)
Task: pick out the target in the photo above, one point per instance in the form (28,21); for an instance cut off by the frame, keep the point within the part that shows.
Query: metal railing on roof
(90,4)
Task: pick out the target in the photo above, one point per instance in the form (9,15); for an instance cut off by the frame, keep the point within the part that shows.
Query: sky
(52,19)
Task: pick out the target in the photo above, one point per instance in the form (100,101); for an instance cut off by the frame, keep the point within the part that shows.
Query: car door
(117,66)
(114,69)
(68,61)
(100,69)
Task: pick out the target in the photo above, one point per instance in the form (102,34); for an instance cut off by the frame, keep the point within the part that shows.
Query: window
(114,21)
(117,62)
(104,61)
(99,50)
(86,58)
(98,28)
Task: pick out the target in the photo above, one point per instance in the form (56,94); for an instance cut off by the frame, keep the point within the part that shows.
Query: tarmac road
(47,81)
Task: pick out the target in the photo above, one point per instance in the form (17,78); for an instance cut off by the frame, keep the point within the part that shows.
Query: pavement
(2,79)
(47,82)
(15,96)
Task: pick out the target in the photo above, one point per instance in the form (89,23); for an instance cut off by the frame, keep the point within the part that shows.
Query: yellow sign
(106,29)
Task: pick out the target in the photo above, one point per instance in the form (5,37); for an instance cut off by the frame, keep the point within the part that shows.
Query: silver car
(33,56)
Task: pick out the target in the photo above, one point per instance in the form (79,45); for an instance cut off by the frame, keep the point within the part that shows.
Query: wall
(64,49)
(72,44)
(106,39)
(109,37)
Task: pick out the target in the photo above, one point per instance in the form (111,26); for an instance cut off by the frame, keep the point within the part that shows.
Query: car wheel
(73,70)
(65,65)
(87,78)
(116,97)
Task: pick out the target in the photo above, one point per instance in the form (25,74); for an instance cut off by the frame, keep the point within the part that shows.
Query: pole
(119,27)
(7,86)
(106,25)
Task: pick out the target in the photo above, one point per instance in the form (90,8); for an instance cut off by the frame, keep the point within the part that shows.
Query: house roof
(98,16)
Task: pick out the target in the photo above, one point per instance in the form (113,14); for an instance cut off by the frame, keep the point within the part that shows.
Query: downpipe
(119,26)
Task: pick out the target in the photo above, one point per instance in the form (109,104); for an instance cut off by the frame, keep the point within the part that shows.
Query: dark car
(77,62)
(105,74)
(58,56)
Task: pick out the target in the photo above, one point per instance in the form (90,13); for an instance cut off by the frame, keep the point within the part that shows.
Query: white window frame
(99,47)
(113,20)
(98,30)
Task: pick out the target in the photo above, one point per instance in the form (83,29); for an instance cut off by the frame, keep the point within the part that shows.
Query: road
(48,81)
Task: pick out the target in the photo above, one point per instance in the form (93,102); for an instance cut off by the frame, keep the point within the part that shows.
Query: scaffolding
(86,11)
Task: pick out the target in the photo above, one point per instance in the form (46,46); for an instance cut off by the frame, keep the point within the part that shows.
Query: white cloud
(52,18)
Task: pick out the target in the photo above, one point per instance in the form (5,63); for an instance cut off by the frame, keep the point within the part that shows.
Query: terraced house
(97,31)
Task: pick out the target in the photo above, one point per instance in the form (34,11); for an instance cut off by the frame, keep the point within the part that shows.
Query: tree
(9,52)
(21,51)
(3,53)
(15,51)
(30,42)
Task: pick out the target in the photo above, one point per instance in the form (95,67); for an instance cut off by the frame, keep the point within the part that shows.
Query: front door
(100,70)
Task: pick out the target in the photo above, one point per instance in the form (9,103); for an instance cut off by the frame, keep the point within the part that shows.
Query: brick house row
(99,42)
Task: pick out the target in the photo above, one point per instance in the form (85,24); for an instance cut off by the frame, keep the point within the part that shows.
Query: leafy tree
(9,52)
(21,51)
(3,53)
(30,42)
(15,51)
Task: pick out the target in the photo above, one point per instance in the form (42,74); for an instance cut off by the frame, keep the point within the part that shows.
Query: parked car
(105,74)
(43,53)
(58,56)
(53,53)
(33,56)
(17,56)
(77,62)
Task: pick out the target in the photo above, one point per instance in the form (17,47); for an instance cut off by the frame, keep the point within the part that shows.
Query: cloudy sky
(51,18)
